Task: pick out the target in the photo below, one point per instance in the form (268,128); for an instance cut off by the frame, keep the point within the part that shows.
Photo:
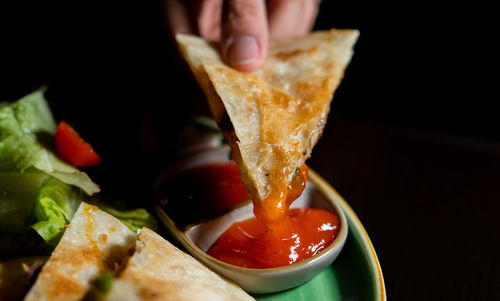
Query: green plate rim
(357,230)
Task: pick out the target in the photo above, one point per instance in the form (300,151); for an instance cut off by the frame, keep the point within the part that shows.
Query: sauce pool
(251,244)
(277,236)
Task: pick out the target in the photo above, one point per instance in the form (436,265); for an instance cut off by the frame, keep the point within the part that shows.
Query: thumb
(244,33)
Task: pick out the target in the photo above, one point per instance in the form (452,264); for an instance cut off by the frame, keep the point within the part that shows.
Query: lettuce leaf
(23,127)
(34,199)
(18,194)
(134,219)
(55,205)
(33,114)
(37,190)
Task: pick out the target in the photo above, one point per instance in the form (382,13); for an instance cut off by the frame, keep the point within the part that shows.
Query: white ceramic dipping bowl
(199,237)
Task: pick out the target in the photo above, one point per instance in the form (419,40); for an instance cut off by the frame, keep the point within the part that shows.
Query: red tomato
(72,149)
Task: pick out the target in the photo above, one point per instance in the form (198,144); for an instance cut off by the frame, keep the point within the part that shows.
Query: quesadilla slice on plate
(97,247)
(274,116)
(93,242)
(160,271)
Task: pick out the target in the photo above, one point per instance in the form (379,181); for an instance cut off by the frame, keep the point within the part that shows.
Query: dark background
(412,141)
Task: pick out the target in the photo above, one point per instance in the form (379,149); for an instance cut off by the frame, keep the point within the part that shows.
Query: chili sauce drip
(278,236)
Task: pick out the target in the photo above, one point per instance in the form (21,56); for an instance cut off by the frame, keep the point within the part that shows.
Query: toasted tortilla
(93,242)
(160,271)
(274,116)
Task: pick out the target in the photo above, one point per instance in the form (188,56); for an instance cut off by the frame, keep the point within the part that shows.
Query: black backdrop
(417,63)
(418,68)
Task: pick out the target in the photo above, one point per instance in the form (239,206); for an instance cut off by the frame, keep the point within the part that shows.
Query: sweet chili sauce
(277,236)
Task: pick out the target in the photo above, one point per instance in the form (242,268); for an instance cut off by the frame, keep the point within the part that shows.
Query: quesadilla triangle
(93,242)
(159,271)
(274,116)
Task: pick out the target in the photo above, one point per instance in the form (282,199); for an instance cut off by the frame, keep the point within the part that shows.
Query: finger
(289,18)
(244,33)
(209,18)
(179,18)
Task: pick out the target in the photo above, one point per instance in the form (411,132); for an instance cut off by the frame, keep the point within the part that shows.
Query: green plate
(355,275)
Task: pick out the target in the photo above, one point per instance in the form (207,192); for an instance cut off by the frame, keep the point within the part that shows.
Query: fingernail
(243,49)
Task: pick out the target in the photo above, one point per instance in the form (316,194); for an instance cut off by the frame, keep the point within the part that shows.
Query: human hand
(243,27)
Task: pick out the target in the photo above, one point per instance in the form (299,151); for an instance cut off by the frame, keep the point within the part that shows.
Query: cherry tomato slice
(71,147)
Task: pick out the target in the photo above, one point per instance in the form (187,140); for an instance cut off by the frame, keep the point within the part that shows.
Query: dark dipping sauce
(202,193)
(273,238)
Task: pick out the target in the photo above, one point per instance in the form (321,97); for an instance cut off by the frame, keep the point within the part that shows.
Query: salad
(40,185)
